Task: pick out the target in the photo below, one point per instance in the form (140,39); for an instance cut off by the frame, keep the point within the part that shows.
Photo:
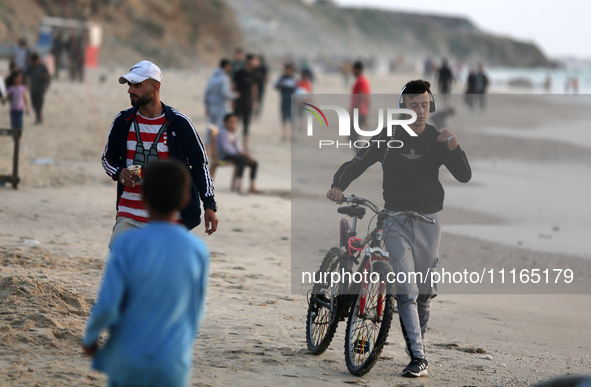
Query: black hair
(249,57)
(358,65)
(418,86)
(34,56)
(224,62)
(228,116)
(166,184)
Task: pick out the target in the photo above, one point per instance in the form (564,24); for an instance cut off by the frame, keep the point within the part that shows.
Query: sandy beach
(525,208)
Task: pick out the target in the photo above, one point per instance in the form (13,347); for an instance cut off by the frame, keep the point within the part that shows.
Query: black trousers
(244,113)
(37,102)
(241,162)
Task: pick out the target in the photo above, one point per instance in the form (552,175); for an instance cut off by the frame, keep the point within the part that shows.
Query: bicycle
(368,303)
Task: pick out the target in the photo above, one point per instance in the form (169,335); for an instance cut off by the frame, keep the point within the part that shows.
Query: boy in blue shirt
(153,294)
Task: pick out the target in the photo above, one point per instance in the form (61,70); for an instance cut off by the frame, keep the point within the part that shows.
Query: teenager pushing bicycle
(411,183)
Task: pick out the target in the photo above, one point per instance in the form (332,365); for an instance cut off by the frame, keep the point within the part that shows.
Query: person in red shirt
(359,99)
(302,94)
(305,82)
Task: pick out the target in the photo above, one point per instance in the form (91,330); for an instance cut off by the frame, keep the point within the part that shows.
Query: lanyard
(143,156)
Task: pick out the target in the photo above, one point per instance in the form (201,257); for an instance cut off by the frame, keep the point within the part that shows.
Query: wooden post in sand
(16,136)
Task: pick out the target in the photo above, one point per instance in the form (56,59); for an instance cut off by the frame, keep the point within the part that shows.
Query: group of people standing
(476,83)
(28,75)
(235,93)
(72,48)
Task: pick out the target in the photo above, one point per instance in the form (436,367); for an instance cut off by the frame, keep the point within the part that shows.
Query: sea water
(501,76)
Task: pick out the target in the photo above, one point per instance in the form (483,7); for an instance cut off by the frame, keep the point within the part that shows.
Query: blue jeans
(16,119)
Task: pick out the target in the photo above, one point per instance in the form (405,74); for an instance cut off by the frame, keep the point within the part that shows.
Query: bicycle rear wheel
(369,322)
(324,305)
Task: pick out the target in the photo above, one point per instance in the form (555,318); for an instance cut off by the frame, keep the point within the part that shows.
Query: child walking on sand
(152,298)
(17,97)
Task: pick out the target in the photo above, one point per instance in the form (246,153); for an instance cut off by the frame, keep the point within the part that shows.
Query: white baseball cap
(142,71)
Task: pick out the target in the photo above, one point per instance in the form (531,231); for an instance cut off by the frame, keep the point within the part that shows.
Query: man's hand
(448,137)
(126,178)
(211,221)
(336,195)
(90,351)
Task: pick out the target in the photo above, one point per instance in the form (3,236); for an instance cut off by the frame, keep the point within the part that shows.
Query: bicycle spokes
(320,324)
(367,322)
(323,308)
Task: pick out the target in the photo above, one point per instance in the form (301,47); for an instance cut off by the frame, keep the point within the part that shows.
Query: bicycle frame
(371,245)
(372,251)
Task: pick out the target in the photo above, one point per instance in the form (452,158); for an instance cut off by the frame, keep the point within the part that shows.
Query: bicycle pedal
(361,346)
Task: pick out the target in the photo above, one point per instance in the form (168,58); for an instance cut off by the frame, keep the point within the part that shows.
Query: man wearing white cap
(148,132)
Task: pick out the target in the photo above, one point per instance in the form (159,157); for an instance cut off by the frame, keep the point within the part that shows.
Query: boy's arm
(201,288)
(365,158)
(255,92)
(457,163)
(105,312)
(454,158)
(239,147)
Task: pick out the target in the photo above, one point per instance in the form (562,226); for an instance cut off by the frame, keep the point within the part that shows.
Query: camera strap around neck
(139,139)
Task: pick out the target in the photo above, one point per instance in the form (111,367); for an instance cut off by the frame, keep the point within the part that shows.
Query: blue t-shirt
(152,299)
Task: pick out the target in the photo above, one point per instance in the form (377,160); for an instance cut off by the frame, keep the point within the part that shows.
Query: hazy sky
(560,28)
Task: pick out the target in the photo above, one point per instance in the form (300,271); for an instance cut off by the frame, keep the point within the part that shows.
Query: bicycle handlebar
(364,202)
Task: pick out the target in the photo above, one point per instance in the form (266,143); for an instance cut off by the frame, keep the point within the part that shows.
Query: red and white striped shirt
(130,204)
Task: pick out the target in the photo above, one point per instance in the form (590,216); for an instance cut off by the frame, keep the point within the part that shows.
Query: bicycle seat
(352,211)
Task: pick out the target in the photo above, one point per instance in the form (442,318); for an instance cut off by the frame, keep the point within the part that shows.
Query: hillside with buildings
(183,33)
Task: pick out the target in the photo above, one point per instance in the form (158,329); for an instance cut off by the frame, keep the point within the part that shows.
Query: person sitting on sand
(229,149)
(152,298)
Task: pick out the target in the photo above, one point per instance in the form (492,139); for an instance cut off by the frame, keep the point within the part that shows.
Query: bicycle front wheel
(323,307)
(369,321)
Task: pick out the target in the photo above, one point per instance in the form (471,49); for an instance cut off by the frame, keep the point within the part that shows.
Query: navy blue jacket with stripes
(184,144)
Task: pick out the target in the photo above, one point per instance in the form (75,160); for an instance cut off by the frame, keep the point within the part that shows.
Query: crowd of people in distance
(30,74)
